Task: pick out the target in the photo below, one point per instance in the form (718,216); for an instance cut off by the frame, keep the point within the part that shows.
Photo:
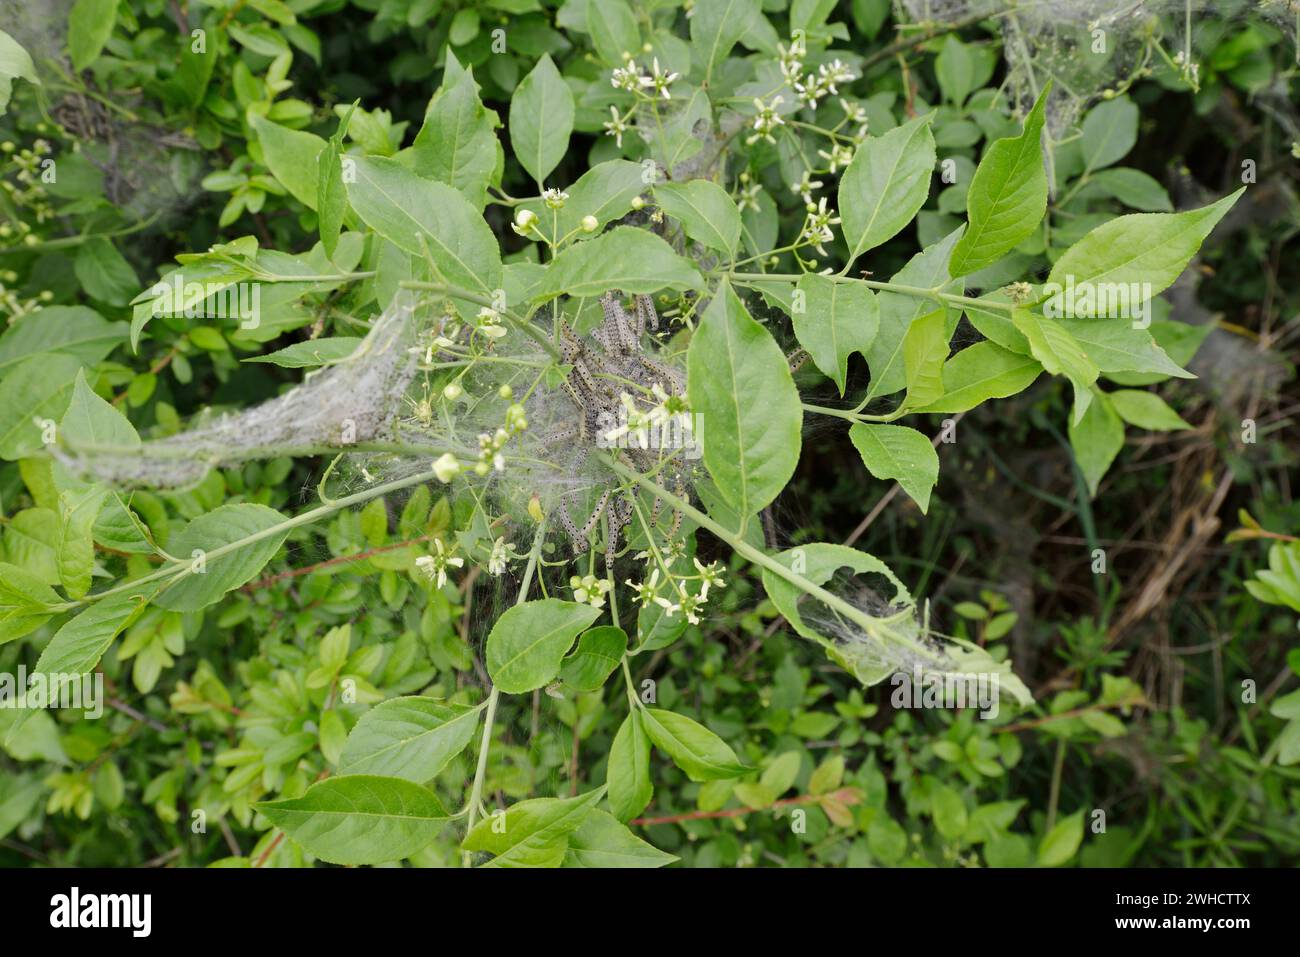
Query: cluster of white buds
(589,590)
(766,120)
(791,60)
(825,82)
(435,564)
(817,227)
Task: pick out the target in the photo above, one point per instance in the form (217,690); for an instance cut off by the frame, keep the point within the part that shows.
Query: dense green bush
(445,432)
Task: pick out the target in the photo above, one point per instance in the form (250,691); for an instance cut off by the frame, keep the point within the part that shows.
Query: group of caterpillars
(597,379)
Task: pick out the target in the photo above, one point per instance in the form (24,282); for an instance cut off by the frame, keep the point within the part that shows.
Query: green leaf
(1146,410)
(1146,251)
(104,274)
(613,29)
(292,156)
(90,24)
(1062,842)
(209,578)
(77,647)
(19,794)
(1007,196)
(412,212)
(750,448)
(1060,354)
(949,812)
(15,63)
(25,601)
(76,331)
(885,185)
(693,748)
(899,453)
(359,819)
(411,738)
(313,352)
(705,211)
(78,509)
(716,27)
(527,644)
(837,320)
(533,833)
(927,269)
(628,772)
(458,144)
(981,372)
(1134,188)
(819,561)
(541,119)
(1109,131)
(598,653)
(925,349)
(601,841)
(91,421)
(1096,439)
(961,69)
(1115,346)
(625,258)
(35,390)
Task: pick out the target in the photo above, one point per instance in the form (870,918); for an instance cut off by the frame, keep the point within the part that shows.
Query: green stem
(175,572)
(920,292)
(485,743)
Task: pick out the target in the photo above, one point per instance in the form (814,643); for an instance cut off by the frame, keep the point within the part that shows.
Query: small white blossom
(435,565)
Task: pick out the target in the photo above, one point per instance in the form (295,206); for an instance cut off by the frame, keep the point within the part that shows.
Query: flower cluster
(686,603)
(589,590)
(825,82)
(654,82)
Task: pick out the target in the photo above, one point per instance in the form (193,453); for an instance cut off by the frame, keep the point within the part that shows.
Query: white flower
(589,590)
(659,80)
(435,565)
(766,120)
(806,186)
(615,127)
(644,593)
(446,467)
(502,554)
(840,155)
(710,575)
(817,228)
